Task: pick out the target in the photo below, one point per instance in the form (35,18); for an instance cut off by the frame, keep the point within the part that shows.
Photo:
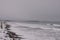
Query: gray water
(29,33)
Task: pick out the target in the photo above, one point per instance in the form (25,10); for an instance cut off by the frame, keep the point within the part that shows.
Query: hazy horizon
(39,10)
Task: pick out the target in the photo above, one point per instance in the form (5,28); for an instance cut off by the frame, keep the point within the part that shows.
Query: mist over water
(44,10)
(41,22)
(33,19)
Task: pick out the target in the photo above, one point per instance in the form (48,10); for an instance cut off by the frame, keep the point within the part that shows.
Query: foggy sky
(46,10)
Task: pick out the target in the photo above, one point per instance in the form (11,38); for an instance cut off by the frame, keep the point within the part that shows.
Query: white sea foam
(15,24)
(56,24)
(35,34)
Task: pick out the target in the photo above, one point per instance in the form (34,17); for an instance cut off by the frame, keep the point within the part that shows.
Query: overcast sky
(46,10)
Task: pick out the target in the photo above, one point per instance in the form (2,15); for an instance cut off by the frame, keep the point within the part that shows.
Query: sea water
(36,31)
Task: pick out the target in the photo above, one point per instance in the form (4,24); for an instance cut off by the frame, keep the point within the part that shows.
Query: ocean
(34,30)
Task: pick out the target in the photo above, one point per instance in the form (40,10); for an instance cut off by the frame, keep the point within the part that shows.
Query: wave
(56,24)
(27,25)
